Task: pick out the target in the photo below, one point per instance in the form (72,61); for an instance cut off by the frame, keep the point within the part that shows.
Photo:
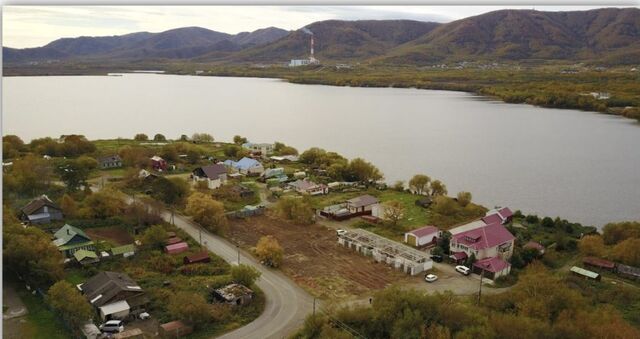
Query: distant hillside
(605,35)
(182,43)
(528,34)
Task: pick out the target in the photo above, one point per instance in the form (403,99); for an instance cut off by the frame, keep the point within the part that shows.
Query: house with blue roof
(246,166)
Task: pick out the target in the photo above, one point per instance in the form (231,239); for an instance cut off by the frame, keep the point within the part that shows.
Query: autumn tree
(170,191)
(154,237)
(269,251)
(614,233)
(103,204)
(135,156)
(207,212)
(393,212)
(592,245)
(190,307)
(69,206)
(67,301)
(244,274)
(238,140)
(438,188)
(30,174)
(628,251)
(445,205)
(12,145)
(295,209)
(363,171)
(141,137)
(420,184)
(464,198)
(169,153)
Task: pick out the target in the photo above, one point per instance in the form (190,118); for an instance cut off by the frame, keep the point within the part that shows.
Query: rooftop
(363,200)
(484,237)
(493,264)
(38,203)
(423,231)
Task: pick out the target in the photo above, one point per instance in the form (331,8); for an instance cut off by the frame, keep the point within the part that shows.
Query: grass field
(41,323)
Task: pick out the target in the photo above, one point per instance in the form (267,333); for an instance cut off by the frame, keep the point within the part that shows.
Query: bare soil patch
(113,234)
(315,260)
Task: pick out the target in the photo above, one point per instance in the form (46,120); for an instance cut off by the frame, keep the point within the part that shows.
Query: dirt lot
(315,260)
(113,234)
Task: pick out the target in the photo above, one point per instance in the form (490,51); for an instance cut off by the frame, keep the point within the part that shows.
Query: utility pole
(314,305)
(238,248)
(480,289)
(200,232)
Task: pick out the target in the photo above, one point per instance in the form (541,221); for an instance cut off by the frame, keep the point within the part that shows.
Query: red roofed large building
(484,242)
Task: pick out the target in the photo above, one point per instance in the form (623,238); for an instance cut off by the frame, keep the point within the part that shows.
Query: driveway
(287,305)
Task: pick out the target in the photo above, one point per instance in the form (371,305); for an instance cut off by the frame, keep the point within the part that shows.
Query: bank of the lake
(578,165)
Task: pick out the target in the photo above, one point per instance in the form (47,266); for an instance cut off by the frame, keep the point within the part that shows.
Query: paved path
(287,305)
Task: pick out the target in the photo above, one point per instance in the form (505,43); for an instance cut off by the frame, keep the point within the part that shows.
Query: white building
(422,236)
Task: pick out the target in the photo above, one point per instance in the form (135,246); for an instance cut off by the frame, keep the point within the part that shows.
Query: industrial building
(400,256)
(305,62)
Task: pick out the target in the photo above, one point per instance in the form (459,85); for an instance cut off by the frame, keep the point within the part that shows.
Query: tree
(66,300)
(141,137)
(547,222)
(31,174)
(202,138)
(135,156)
(420,184)
(238,140)
(295,209)
(75,172)
(268,250)
(74,145)
(207,212)
(628,251)
(438,188)
(159,137)
(234,151)
(464,198)
(104,204)
(244,274)
(169,153)
(592,245)
(398,186)
(190,307)
(393,212)
(614,233)
(12,145)
(170,191)
(363,171)
(154,237)
(193,155)
(69,206)
(282,149)
(445,205)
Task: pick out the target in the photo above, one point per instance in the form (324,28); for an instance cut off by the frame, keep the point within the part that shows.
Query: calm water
(577,165)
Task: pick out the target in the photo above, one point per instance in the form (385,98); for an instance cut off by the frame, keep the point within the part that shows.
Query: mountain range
(606,35)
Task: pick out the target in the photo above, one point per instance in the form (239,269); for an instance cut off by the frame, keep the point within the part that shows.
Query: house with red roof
(488,241)
(422,236)
(492,268)
(501,215)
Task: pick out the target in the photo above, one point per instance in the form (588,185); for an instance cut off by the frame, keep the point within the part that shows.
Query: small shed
(629,272)
(586,274)
(233,294)
(175,329)
(176,248)
(200,257)
(125,250)
(599,263)
(422,236)
(116,310)
(85,257)
(173,240)
(535,245)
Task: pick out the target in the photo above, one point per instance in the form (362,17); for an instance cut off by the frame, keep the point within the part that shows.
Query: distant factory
(305,62)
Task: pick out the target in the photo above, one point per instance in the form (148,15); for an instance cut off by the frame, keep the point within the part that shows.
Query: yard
(114,235)
(314,259)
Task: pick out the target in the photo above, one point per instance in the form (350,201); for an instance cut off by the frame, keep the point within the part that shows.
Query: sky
(34,26)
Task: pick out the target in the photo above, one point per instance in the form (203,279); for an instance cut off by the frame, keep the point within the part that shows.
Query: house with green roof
(124,250)
(70,239)
(85,257)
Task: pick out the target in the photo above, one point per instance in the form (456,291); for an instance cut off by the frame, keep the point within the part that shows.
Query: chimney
(68,231)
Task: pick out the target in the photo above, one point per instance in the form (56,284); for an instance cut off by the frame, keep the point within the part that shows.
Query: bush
(244,274)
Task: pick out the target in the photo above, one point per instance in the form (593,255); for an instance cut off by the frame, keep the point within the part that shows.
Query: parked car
(144,316)
(112,326)
(437,258)
(430,278)
(341,232)
(463,269)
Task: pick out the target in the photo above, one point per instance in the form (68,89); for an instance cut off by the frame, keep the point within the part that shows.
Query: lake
(580,166)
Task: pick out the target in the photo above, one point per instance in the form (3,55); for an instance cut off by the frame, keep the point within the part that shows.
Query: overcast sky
(33,26)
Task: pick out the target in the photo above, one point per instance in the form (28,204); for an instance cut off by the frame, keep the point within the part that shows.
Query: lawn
(41,321)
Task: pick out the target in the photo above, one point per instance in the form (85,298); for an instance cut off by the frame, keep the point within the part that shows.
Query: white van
(112,326)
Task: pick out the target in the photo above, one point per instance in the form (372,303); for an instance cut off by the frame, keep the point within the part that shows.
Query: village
(331,225)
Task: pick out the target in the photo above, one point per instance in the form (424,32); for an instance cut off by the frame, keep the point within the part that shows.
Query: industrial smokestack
(306,30)
(312,46)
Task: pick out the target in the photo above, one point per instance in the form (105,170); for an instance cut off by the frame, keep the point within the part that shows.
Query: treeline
(619,242)
(541,305)
(339,168)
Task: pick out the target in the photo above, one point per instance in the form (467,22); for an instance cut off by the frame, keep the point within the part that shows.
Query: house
(175,329)
(535,245)
(263,149)
(502,215)
(273,173)
(176,248)
(586,274)
(111,161)
(422,236)
(487,241)
(599,263)
(215,175)
(492,267)
(115,295)
(246,166)
(629,272)
(284,158)
(362,204)
(308,187)
(40,210)
(69,239)
(200,257)
(147,176)
(84,257)
(158,164)
(233,294)
(124,250)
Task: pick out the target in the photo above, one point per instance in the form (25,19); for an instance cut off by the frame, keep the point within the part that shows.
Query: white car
(341,232)
(463,269)
(112,326)
(430,278)
(144,315)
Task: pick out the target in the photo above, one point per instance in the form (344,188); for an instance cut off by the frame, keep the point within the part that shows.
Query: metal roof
(115,307)
(586,273)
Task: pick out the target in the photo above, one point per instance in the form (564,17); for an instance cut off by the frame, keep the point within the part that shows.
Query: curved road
(286,306)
